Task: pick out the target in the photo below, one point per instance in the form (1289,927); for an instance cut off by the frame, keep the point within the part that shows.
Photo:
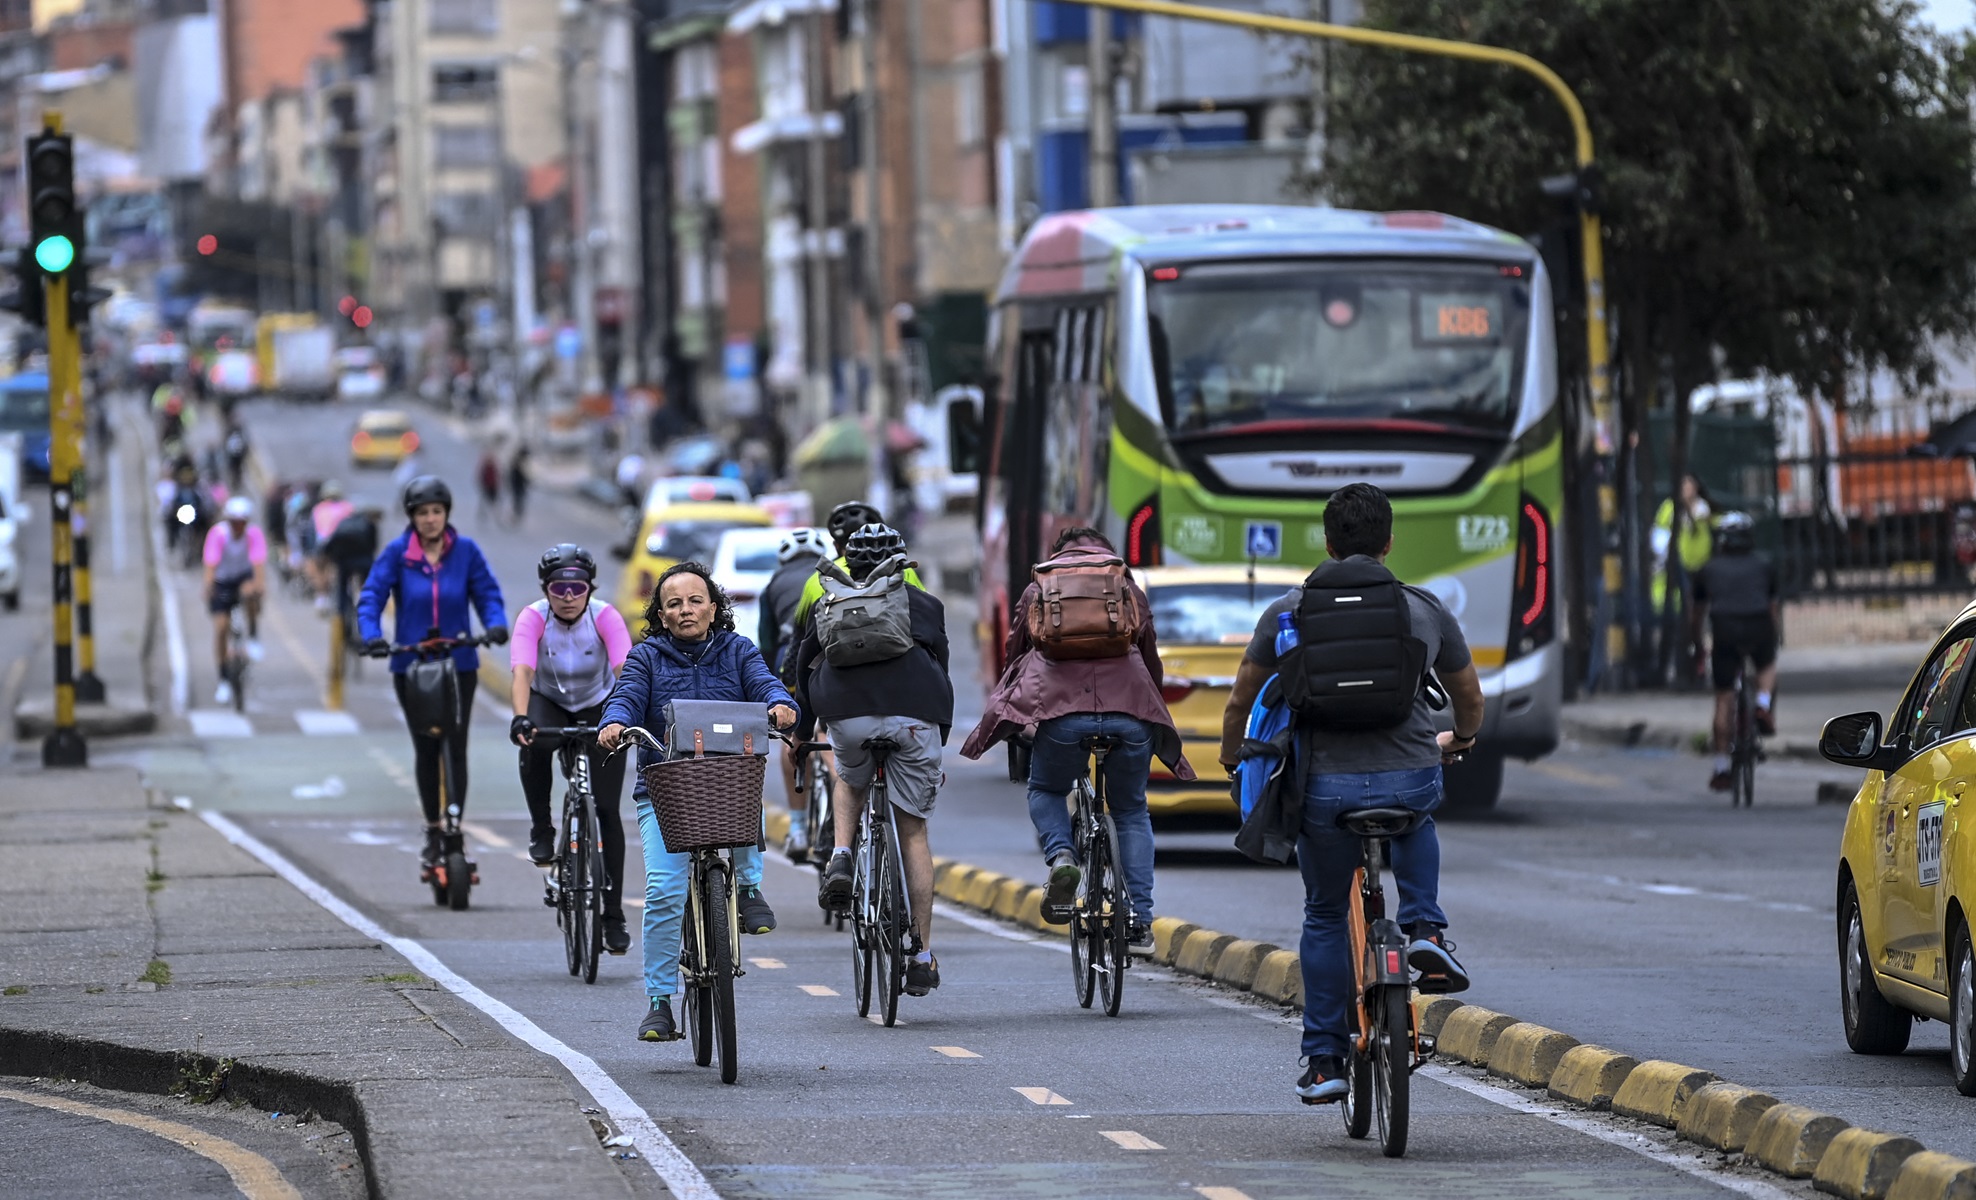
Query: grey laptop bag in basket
(708,793)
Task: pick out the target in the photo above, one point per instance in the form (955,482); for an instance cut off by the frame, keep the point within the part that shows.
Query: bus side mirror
(964,438)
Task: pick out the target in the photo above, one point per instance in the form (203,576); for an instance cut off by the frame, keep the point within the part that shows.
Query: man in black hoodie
(908,699)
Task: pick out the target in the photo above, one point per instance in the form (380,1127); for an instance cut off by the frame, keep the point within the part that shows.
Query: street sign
(738,359)
(1264,539)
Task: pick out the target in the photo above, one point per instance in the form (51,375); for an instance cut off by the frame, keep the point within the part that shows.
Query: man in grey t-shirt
(1398,767)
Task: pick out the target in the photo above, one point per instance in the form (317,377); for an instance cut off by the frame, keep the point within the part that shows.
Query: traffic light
(26,296)
(54,218)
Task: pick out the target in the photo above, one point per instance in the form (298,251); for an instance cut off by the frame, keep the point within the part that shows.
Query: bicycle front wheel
(588,908)
(864,936)
(1110,906)
(1392,1067)
(698,1000)
(717,902)
(1357,1106)
(567,902)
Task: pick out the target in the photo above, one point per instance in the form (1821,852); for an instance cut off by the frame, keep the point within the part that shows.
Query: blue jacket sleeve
(484,591)
(377,590)
(631,696)
(757,681)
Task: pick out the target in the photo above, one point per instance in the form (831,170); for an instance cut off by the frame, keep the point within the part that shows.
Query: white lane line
(317,722)
(219,723)
(1221,1193)
(1039,1095)
(768,964)
(955,1051)
(119,541)
(672,1166)
(1660,889)
(817,989)
(1592,1127)
(482,833)
(1129,1140)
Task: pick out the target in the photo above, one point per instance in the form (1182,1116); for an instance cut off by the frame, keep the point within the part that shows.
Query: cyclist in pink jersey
(236,557)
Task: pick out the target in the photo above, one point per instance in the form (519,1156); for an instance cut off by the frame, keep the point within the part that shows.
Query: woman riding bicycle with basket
(438,581)
(568,649)
(692,653)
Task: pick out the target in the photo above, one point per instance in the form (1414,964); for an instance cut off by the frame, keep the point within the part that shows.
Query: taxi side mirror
(1854,741)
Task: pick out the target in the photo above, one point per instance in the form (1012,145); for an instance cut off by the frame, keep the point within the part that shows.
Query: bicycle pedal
(1059,914)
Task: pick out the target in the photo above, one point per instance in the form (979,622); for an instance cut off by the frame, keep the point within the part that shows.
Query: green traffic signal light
(54,254)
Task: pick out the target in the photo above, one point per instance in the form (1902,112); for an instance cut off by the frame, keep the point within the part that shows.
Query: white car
(365,383)
(743,562)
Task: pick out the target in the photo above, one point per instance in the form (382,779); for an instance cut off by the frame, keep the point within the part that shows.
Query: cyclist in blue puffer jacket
(438,581)
(693,653)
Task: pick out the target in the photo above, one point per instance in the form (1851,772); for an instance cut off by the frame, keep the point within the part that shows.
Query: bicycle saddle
(1101,742)
(881,745)
(1380,822)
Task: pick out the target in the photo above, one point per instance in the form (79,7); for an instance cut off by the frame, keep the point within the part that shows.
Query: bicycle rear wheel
(892,932)
(1109,905)
(864,935)
(717,902)
(698,998)
(1392,1067)
(1085,943)
(1742,769)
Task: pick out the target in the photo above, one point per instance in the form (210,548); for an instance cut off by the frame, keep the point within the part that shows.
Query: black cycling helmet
(870,546)
(847,518)
(427,489)
(1736,532)
(566,560)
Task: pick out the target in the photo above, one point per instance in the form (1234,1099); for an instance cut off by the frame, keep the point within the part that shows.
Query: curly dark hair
(723,607)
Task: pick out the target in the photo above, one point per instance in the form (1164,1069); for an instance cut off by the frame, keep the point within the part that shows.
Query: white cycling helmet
(240,508)
(800,542)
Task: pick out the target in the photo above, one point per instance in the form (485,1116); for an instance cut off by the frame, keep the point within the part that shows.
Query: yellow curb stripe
(256,1177)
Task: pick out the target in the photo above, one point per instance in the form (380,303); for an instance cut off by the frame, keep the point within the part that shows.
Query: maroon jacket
(1034,689)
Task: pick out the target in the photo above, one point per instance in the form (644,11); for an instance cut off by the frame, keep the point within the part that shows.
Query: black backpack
(1358,665)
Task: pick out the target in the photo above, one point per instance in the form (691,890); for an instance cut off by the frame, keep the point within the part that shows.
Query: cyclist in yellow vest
(1696,543)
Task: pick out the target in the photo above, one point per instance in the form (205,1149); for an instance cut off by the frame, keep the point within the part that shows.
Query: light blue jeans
(665,898)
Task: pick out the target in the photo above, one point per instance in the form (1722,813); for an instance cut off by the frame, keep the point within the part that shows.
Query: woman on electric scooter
(439,581)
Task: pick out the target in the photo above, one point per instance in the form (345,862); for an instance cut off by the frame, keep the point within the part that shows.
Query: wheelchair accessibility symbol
(1265,539)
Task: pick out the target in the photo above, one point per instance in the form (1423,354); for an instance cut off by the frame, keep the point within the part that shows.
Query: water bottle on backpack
(1286,634)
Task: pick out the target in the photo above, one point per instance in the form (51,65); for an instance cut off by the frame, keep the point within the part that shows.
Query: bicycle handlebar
(433,647)
(567,731)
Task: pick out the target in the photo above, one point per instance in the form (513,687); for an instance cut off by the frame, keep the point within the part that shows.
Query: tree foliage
(1787,184)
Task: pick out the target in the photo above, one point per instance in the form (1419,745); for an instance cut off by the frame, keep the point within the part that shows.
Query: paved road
(1611,896)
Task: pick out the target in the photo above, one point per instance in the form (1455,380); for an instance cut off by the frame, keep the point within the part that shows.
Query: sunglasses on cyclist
(569,589)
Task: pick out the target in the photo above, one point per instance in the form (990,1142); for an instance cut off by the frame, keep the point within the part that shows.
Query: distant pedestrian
(489,477)
(518,481)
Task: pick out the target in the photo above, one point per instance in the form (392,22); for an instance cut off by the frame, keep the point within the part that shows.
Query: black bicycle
(578,878)
(815,783)
(881,917)
(432,709)
(1385,1049)
(1101,913)
(1745,742)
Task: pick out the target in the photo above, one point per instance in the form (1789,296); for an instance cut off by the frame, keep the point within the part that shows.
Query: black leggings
(426,750)
(538,764)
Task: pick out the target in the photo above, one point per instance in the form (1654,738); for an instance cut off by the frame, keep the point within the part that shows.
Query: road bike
(1745,742)
(432,710)
(576,882)
(704,813)
(1386,1048)
(882,940)
(815,784)
(1100,914)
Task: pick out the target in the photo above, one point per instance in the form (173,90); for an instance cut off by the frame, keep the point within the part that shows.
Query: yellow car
(669,534)
(384,438)
(1907,876)
(1204,617)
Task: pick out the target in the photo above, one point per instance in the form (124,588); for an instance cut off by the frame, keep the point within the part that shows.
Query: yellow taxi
(671,533)
(1907,876)
(1205,617)
(384,437)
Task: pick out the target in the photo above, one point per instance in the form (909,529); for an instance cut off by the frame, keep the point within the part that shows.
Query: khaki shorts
(912,773)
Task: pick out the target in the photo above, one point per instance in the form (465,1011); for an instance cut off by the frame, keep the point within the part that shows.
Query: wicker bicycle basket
(707,803)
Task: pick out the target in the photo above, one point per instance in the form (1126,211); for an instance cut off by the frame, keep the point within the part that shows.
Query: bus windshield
(1242,343)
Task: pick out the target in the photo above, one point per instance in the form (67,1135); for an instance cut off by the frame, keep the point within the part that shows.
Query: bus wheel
(1472,785)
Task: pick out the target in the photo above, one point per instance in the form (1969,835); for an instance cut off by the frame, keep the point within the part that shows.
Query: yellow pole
(64,746)
(333,700)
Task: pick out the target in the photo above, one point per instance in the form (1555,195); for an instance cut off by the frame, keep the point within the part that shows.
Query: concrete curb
(1789,1140)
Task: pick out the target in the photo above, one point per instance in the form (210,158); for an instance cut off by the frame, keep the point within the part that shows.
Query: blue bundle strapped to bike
(1266,779)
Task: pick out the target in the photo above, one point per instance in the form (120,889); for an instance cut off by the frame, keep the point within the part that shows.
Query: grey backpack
(869,622)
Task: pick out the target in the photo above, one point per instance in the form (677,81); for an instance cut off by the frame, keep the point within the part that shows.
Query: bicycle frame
(1379,945)
(696,868)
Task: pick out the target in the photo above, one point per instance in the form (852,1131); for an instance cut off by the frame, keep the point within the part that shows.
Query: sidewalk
(124,601)
(1814,684)
(146,953)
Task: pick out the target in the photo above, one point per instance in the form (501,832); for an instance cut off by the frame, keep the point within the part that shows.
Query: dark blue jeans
(1054,765)
(1328,855)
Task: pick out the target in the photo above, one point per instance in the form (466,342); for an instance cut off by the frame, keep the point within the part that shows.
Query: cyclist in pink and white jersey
(236,557)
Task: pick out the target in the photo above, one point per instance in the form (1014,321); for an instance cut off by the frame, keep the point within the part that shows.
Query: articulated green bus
(1197,379)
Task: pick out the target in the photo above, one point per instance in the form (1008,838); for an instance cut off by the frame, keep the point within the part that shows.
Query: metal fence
(1872,525)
